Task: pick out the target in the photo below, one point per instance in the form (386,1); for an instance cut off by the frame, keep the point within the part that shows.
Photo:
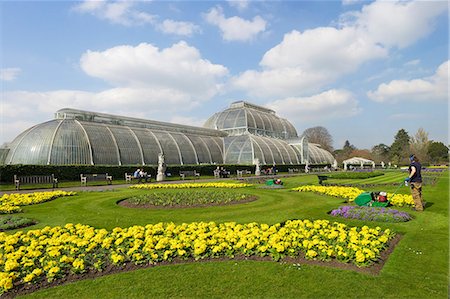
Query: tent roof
(357,160)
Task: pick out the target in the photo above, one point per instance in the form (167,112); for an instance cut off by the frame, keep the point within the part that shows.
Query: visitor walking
(415,181)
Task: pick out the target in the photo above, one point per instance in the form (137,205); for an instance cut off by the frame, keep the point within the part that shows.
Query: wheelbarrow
(375,199)
(372,199)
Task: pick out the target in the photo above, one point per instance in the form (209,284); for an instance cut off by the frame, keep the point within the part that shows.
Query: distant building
(237,135)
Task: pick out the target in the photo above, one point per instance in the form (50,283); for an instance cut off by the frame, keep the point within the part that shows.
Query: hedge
(72,172)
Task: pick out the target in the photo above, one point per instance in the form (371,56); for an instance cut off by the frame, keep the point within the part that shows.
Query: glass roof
(242,117)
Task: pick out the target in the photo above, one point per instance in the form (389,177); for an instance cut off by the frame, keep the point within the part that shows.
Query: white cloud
(117,12)
(304,62)
(235,28)
(330,104)
(398,23)
(414,62)
(240,5)
(351,2)
(186,120)
(179,68)
(148,82)
(9,74)
(178,27)
(434,88)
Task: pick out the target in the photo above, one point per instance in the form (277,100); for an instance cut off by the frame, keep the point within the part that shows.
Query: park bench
(35,179)
(128,178)
(186,173)
(322,178)
(293,170)
(95,178)
(240,173)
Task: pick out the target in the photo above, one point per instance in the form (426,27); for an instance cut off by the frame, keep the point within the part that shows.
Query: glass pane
(129,149)
(149,145)
(70,145)
(169,147)
(104,149)
(35,145)
(187,151)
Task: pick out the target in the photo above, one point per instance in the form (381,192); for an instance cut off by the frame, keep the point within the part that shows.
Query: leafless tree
(320,135)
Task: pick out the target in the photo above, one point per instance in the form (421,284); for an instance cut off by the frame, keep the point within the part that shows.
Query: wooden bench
(186,173)
(35,179)
(293,170)
(128,178)
(322,178)
(240,173)
(95,178)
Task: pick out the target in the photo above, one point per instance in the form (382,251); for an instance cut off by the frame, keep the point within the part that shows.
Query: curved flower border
(54,252)
(11,203)
(191,185)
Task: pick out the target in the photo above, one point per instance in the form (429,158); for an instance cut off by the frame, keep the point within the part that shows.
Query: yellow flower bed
(190,185)
(54,252)
(350,193)
(10,203)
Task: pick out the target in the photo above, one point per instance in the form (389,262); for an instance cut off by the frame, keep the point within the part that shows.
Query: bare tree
(419,145)
(320,135)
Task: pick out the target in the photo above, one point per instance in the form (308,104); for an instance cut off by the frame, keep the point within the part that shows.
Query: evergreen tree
(400,151)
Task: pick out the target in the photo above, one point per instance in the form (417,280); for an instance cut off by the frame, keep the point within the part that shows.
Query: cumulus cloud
(118,12)
(305,62)
(240,5)
(434,88)
(147,82)
(178,27)
(9,74)
(398,23)
(330,104)
(235,28)
(179,68)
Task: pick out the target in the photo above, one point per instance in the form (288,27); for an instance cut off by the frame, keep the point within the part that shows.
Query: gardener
(415,180)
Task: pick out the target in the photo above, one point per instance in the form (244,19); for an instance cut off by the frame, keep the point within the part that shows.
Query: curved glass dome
(245,148)
(243,117)
(318,155)
(102,142)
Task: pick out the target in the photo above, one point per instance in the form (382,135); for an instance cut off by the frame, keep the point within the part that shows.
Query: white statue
(161,168)
(258,167)
(306,167)
(382,164)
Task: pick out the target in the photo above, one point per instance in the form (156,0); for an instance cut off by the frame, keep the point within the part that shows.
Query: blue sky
(361,69)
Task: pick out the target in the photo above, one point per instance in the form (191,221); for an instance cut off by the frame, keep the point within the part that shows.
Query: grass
(418,267)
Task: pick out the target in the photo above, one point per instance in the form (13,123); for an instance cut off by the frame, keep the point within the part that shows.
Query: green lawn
(418,267)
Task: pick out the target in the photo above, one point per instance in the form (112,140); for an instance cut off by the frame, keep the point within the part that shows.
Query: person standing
(415,181)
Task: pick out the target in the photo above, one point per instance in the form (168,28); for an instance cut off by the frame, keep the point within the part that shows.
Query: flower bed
(186,198)
(54,252)
(10,203)
(190,185)
(371,214)
(350,193)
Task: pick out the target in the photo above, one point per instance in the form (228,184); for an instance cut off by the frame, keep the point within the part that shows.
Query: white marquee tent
(358,161)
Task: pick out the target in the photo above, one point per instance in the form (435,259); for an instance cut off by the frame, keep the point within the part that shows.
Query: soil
(125,203)
(374,269)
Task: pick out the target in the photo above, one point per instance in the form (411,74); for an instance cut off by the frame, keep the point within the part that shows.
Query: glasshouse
(238,135)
